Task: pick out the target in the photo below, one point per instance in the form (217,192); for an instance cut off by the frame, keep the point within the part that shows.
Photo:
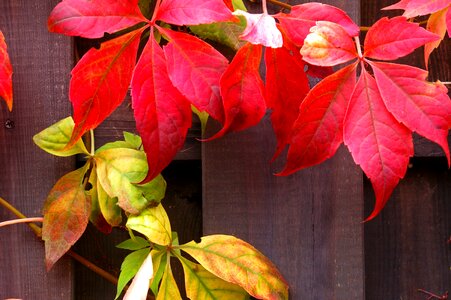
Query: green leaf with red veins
(242,91)
(328,44)
(195,69)
(318,130)
(302,17)
(415,8)
(389,39)
(162,113)
(193,12)
(437,25)
(66,215)
(94,18)
(6,74)
(377,141)
(284,68)
(261,29)
(100,81)
(424,107)
(237,262)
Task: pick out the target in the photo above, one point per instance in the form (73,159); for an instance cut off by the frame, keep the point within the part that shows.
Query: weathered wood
(406,246)
(41,63)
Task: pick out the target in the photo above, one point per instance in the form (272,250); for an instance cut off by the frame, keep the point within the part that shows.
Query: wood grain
(41,62)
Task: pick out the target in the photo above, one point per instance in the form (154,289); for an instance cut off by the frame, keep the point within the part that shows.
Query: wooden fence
(309,224)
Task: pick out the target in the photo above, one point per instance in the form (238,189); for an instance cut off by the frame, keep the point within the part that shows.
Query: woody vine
(363,99)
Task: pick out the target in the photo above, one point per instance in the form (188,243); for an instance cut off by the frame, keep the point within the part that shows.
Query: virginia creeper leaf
(55,138)
(159,259)
(377,142)
(162,113)
(448,22)
(194,12)
(201,284)
(286,87)
(133,139)
(302,17)
(242,91)
(389,39)
(130,267)
(328,44)
(66,215)
(92,18)
(140,285)
(168,288)
(261,29)
(415,8)
(117,170)
(424,107)
(318,130)
(100,81)
(195,68)
(96,217)
(6,74)
(154,223)
(437,25)
(108,206)
(134,244)
(237,262)
(154,190)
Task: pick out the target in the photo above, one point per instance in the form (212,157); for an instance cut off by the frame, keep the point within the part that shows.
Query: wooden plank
(41,62)
(406,246)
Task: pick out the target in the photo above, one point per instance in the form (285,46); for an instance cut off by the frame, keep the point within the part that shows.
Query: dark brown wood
(41,62)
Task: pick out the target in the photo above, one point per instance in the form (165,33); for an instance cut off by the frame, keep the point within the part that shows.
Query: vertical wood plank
(42,63)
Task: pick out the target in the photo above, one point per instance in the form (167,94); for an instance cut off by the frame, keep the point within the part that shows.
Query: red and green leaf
(237,262)
(437,25)
(6,74)
(66,215)
(162,113)
(389,39)
(94,18)
(101,80)
(195,69)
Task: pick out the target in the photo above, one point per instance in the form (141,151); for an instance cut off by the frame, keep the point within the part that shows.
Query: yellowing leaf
(159,259)
(237,262)
(96,216)
(168,289)
(153,223)
(55,138)
(108,206)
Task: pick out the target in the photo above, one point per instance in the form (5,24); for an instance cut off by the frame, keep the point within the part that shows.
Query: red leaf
(318,131)
(319,72)
(193,12)
(66,215)
(100,81)
(229,4)
(302,17)
(424,107)
(195,68)
(328,44)
(415,8)
(436,24)
(242,91)
(92,18)
(6,74)
(448,22)
(286,86)
(162,114)
(261,29)
(378,143)
(389,39)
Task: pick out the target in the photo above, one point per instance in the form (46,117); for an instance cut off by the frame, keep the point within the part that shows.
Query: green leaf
(108,206)
(115,145)
(66,215)
(226,33)
(239,263)
(96,217)
(238,4)
(117,170)
(203,118)
(130,267)
(152,222)
(159,259)
(168,288)
(154,190)
(133,139)
(134,244)
(201,284)
(55,138)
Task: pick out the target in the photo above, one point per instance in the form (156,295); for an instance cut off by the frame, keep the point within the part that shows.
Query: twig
(22,220)
(434,296)
(36,229)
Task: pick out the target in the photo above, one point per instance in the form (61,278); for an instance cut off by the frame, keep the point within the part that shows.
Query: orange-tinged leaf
(237,262)
(424,107)
(377,141)
(436,24)
(66,215)
(168,288)
(93,18)
(6,74)
(415,8)
(328,44)
(448,21)
(100,81)
(389,39)
(318,130)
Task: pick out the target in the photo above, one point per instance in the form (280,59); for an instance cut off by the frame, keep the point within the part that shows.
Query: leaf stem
(359,49)
(93,146)
(19,221)
(264,7)
(447,83)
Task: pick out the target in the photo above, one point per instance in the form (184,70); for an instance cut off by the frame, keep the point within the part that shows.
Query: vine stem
(24,220)
(36,229)
(265,9)
(447,83)
(280,3)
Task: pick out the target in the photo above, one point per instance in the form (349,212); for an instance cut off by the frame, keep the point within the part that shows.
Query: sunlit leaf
(139,288)
(154,223)
(436,24)
(168,288)
(54,139)
(130,267)
(237,262)
(6,74)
